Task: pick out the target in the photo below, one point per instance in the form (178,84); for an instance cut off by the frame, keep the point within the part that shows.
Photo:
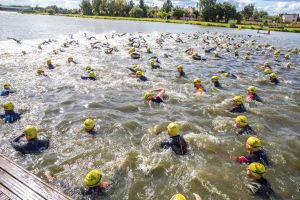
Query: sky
(271,6)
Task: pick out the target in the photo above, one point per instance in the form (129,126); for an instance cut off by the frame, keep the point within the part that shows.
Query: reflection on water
(127,146)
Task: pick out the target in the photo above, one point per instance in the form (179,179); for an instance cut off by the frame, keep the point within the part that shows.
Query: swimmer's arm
(15,143)
(197,197)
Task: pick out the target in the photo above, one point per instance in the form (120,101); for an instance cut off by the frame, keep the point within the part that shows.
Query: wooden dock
(16,183)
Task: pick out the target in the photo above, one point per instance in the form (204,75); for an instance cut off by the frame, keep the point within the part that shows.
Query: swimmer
(227,74)
(258,185)
(94,184)
(149,50)
(91,76)
(256,153)
(153,64)
(71,60)
(135,55)
(134,69)
(108,50)
(139,75)
(252,96)
(198,85)
(239,106)
(273,79)
(89,126)
(41,72)
(289,65)
(49,64)
(181,72)
(242,123)
(33,144)
(181,197)
(89,69)
(149,96)
(9,116)
(195,56)
(176,142)
(6,90)
(267,71)
(215,82)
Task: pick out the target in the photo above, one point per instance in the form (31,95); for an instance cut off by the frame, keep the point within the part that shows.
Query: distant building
(288,17)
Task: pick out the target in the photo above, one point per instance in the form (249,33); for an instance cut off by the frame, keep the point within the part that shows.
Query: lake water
(126,149)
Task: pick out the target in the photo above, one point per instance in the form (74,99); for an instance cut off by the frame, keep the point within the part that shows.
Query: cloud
(271,6)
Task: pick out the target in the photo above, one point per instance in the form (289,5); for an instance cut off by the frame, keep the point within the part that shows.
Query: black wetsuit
(257,156)
(177,143)
(132,70)
(93,192)
(256,97)
(50,66)
(238,109)
(247,129)
(157,100)
(275,80)
(155,66)
(6,92)
(261,188)
(88,78)
(217,84)
(143,78)
(31,146)
(182,74)
(10,116)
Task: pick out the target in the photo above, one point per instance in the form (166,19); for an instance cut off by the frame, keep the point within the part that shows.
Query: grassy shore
(201,23)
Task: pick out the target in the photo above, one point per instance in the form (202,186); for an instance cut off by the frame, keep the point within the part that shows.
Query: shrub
(232,23)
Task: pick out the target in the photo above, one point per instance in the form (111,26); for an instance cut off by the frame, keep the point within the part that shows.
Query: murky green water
(127,148)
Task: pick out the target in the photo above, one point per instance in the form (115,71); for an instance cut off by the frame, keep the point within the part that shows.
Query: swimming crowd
(257,159)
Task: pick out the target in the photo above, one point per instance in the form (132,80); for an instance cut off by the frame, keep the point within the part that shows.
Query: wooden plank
(3,196)
(18,188)
(34,183)
(8,193)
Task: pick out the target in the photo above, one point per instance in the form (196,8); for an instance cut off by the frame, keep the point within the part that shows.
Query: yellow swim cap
(178,197)
(242,120)
(6,85)
(289,64)
(238,99)
(214,78)
(267,71)
(89,124)
(253,143)
(267,64)
(251,89)
(8,106)
(49,61)
(138,73)
(197,81)
(93,178)
(194,54)
(92,74)
(173,129)
(226,74)
(257,169)
(148,50)
(152,62)
(135,66)
(273,75)
(40,71)
(180,67)
(87,68)
(30,132)
(287,56)
(147,95)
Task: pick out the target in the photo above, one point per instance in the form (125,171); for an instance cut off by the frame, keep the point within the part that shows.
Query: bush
(136,12)
(232,23)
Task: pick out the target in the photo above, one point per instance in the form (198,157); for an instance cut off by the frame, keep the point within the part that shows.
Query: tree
(229,11)
(207,9)
(104,7)
(86,7)
(136,12)
(219,10)
(96,7)
(167,6)
(142,6)
(178,12)
(248,11)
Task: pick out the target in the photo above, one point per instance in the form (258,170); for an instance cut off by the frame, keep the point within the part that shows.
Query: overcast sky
(272,6)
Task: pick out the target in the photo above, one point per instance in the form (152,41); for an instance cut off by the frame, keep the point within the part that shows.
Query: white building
(288,17)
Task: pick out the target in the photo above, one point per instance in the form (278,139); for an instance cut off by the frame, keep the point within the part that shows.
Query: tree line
(208,10)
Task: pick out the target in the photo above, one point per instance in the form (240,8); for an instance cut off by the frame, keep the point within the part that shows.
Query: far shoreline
(175,21)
